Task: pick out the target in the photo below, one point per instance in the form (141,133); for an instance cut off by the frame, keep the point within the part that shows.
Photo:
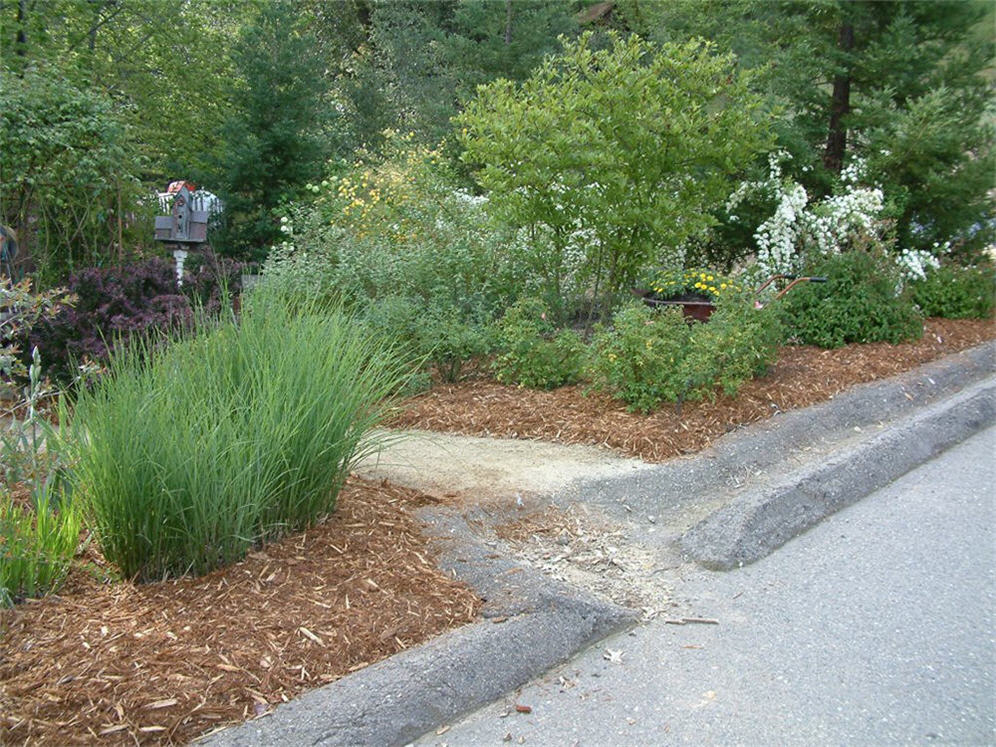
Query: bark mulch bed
(802,376)
(166,662)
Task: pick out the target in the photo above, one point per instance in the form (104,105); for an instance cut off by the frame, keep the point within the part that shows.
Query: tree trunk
(833,156)
(508,22)
(21,46)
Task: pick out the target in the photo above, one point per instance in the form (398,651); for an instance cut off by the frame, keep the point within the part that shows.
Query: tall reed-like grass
(187,456)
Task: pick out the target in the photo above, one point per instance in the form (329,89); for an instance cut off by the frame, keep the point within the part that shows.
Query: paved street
(877,626)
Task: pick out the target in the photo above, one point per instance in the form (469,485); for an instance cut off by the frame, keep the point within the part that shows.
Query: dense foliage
(67,175)
(956,292)
(274,139)
(860,302)
(612,158)
(905,85)
(38,546)
(112,305)
(532,352)
(651,356)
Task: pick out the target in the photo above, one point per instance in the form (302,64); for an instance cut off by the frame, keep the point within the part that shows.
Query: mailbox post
(184,227)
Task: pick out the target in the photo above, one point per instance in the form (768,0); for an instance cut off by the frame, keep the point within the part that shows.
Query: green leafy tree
(274,138)
(492,39)
(162,64)
(901,84)
(67,176)
(407,64)
(617,154)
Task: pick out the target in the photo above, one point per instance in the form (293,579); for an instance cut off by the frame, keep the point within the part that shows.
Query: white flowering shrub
(914,263)
(799,227)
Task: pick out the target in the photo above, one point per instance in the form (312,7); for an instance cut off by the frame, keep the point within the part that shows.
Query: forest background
(104,101)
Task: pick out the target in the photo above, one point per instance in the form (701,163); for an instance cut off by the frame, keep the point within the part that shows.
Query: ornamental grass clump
(187,457)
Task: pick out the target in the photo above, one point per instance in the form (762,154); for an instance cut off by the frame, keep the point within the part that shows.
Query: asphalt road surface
(875,627)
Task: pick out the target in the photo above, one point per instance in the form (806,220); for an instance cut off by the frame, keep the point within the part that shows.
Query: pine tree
(275,142)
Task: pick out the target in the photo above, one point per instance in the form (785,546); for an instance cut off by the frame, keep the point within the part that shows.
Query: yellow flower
(709,278)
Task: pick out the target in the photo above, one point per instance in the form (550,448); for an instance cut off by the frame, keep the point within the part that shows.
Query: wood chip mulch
(802,376)
(166,662)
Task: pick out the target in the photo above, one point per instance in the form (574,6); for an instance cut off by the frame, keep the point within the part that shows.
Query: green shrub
(36,547)
(532,353)
(618,149)
(439,334)
(397,226)
(956,292)
(737,344)
(858,303)
(638,358)
(650,356)
(186,458)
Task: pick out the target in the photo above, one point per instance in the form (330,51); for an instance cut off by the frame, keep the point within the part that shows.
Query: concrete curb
(758,522)
(750,455)
(531,624)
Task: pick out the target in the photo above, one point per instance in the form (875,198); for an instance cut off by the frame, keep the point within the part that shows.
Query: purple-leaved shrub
(116,303)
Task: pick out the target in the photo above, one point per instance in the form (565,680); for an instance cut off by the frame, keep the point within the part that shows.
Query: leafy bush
(396,226)
(650,356)
(858,303)
(737,344)
(20,310)
(65,171)
(116,303)
(637,358)
(187,457)
(439,335)
(36,546)
(532,353)
(956,292)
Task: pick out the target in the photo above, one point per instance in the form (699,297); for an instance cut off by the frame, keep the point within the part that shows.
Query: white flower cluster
(839,218)
(799,226)
(913,263)
(464,196)
(778,236)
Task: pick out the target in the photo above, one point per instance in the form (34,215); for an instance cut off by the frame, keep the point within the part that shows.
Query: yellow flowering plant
(690,284)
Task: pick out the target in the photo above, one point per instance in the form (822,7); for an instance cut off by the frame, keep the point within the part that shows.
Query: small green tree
(616,154)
